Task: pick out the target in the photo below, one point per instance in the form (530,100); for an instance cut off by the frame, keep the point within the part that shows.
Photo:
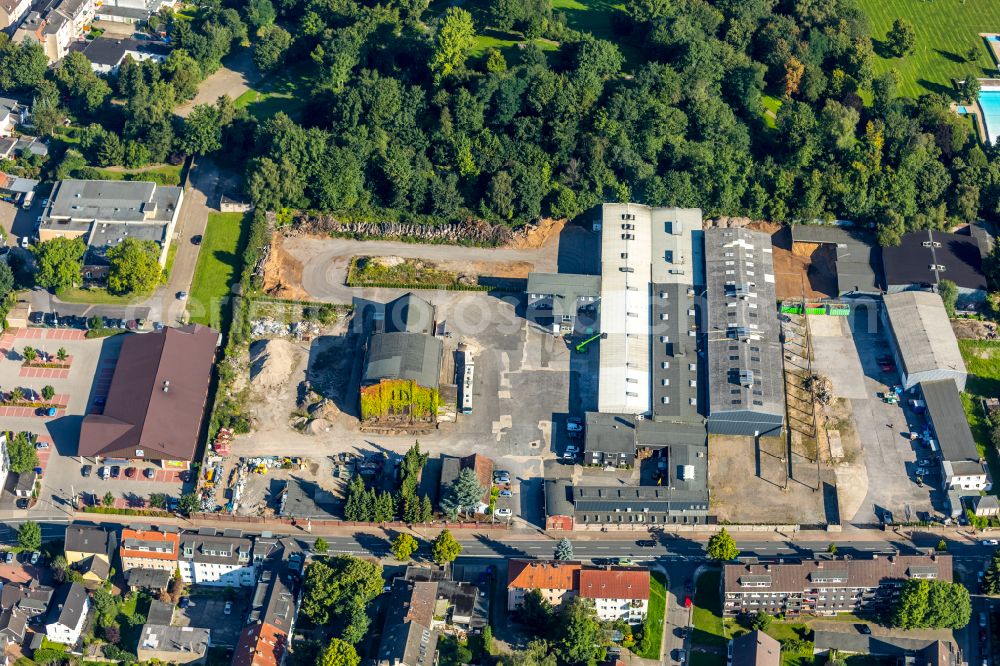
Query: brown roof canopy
(157,398)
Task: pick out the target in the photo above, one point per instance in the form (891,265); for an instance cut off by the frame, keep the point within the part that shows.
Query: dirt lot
(767,496)
(802,270)
(973,329)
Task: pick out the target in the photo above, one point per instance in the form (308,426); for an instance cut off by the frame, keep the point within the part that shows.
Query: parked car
(86,470)
(504,512)
(181,295)
(130,472)
(196,240)
(502,480)
(116,471)
(105,472)
(184,602)
(864,629)
(41,445)
(991,542)
(501,472)
(228,608)
(9,556)
(22,503)
(506,493)
(35,555)
(149,473)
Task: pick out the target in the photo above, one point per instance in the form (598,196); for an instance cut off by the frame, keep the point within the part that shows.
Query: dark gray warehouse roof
(566,289)
(744,352)
(412,356)
(958,257)
(858,263)
(408,314)
(558,497)
(947,415)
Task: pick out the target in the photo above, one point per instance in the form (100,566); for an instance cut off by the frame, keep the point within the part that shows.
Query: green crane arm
(583,345)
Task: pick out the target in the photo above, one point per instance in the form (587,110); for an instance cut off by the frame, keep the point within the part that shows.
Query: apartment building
(825,586)
(617,593)
(56,24)
(149,549)
(555,580)
(209,558)
(12,11)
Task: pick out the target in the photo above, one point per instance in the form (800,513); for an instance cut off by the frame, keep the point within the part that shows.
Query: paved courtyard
(846,350)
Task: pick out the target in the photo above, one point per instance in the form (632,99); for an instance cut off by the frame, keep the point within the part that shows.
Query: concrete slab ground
(835,356)
(890,457)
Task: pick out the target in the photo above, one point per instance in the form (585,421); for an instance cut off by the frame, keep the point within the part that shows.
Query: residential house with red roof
(618,593)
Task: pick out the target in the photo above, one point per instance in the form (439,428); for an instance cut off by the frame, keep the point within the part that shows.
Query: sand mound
(318,426)
(271,363)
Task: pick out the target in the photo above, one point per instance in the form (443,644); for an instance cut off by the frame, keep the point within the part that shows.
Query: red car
(687,601)
(130,472)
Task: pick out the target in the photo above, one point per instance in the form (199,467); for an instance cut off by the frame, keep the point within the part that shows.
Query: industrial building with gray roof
(922,340)
(858,262)
(402,345)
(961,462)
(745,373)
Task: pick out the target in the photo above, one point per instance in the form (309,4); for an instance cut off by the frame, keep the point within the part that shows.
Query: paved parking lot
(88,378)
(207,612)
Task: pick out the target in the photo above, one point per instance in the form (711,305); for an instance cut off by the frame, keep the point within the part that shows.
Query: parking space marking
(44,373)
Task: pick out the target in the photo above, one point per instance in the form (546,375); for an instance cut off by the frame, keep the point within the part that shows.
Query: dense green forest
(763,108)
(403,123)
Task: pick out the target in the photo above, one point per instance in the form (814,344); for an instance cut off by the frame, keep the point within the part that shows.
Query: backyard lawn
(709,629)
(945,30)
(218,267)
(98,296)
(653,626)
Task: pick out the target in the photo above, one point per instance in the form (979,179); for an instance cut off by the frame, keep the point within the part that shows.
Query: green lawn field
(654,619)
(982,360)
(218,269)
(945,31)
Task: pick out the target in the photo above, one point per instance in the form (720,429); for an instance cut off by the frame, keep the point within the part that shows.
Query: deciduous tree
(133,266)
(403,546)
(338,653)
(452,43)
(722,547)
(29,535)
(901,38)
(59,262)
(444,548)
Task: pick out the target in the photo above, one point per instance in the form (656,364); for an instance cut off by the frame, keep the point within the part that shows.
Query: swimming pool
(989,100)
